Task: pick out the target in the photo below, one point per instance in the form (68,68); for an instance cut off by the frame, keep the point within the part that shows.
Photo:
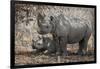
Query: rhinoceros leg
(62,48)
(58,50)
(83,46)
(57,46)
(63,43)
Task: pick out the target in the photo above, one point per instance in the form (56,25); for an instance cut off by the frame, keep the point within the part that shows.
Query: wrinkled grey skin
(44,44)
(49,45)
(65,30)
(38,44)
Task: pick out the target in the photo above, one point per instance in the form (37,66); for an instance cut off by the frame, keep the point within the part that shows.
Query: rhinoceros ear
(51,18)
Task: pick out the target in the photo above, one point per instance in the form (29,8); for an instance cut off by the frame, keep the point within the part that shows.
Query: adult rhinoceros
(65,30)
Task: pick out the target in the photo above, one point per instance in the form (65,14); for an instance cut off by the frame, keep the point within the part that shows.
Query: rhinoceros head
(38,44)
(44,24)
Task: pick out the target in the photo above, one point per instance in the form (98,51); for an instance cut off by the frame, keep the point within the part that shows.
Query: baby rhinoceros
(44,44)
(65,30)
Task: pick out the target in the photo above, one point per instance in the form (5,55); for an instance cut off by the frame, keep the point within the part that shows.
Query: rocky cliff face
(26,24)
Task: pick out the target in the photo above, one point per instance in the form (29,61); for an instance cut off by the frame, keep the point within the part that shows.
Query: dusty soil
(41,58)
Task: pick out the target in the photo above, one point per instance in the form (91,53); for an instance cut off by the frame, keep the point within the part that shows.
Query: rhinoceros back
(78,31)
(73,29)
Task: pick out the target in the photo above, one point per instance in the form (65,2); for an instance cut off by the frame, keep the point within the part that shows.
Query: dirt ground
(41,58)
